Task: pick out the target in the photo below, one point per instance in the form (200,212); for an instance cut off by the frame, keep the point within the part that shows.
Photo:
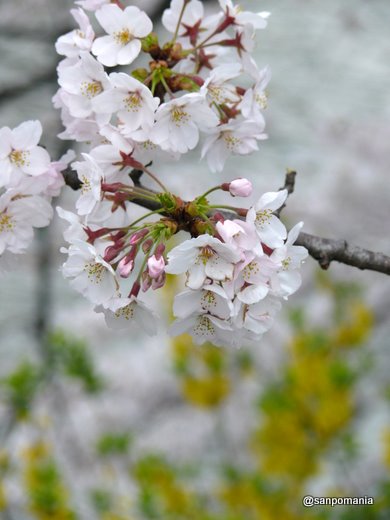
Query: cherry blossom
(81,83)
(123,313)
(19,214)
(179,121)
(124,29)
(236,137)
(133,103)
(20,153)
(91,175)
(89,273)
(202,257)
(269,228)
(81,39)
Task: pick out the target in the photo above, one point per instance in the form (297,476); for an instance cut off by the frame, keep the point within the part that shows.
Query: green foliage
(48,498)
(71,356)
(113,444)
(102,500)
(20,388)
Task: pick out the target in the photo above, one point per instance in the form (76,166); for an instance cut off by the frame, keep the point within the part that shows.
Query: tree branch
(324,250)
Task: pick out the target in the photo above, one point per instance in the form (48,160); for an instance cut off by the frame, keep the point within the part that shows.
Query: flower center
(216,93)
(91,89)
(262,217)
(123,37)
(148,145)
(230,140)
(262,100)
(249,270)
(86,185)
(19,158)
(133,102)
(206,254)
(126,312)
(286,263)
(208,301)
(94,272)
(6,223)
(179,116)
(204,327)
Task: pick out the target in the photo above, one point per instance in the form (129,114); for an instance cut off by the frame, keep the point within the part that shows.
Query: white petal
(26,135)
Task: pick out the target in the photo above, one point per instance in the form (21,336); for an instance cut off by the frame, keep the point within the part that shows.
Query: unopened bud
(146,281)
(155,266)
(147,245)
(240,188)
(159,250)
(138,236)
(157,283)
(126,265)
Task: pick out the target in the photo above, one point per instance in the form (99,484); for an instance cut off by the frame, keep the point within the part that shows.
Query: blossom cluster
(237,278)
(28,181)
(202,86)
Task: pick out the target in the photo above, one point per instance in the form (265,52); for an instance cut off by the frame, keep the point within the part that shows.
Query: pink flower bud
(147,245)
(159,251)
(155,266)
(240,188)
(139,235)
(159,282)
(126,265)
(146,281)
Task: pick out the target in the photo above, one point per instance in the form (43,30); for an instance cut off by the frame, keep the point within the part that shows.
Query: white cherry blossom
(211,299)
(193,14)
(269,228)
(288,258)
(89,273)
(81,83)
(19,214)
(91,176)
(217,87)
(123,313)
(257,318)
(133,103)
(203,257)
(20,154)
(124,29)
(254,100)
(202,328)
(236,137)
(241,17)
(81,39)
(179,121)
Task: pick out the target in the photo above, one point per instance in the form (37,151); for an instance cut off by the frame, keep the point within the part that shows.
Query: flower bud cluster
(237,278)
(28,181)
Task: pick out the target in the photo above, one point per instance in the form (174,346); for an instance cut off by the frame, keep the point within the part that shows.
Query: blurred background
(102,425)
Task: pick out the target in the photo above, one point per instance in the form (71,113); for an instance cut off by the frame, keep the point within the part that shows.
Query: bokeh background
(102,425)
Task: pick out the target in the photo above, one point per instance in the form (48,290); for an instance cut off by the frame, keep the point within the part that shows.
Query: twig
(324,250)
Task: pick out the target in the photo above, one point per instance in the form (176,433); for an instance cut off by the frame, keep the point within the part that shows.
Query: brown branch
(324,250)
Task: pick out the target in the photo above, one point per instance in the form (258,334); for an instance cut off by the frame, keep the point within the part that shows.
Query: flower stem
(145,216)
(179,21)
(216,188)
(152,176)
